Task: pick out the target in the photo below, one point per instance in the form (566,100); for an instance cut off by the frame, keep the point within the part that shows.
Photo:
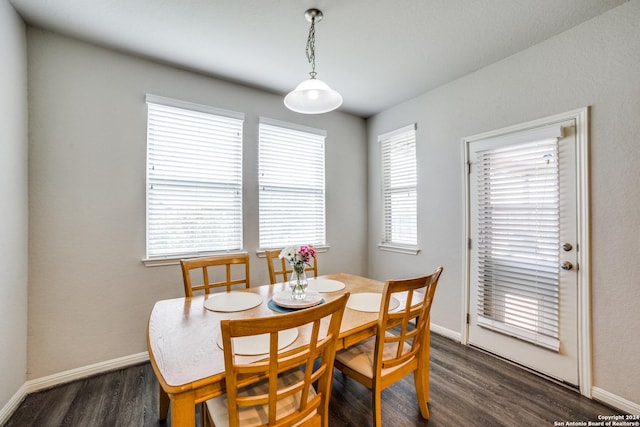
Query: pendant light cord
(311,47)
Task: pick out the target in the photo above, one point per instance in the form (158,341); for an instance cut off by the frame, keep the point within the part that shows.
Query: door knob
(567,265)
(567,247)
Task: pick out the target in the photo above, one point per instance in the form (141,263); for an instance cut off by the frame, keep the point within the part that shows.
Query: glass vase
(298,284)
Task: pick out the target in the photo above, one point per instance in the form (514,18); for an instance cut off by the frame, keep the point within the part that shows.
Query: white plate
(369,302)
(232,301)
(259,344)
(325,285)
(283,299)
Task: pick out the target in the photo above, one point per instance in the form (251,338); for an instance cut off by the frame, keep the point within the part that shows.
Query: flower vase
(298,284)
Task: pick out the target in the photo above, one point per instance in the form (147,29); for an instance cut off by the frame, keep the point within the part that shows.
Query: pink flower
(306,253)
(298,256)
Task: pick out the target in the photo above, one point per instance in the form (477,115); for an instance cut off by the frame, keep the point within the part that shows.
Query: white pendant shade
(313,96)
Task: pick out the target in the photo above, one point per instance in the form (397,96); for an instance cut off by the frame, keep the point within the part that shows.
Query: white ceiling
(376,53)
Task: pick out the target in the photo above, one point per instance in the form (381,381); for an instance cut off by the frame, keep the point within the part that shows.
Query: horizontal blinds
(399,181)
(518,248)
(292,186)
(194,177)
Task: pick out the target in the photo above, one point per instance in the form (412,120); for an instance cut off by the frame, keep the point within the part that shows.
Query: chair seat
(398,348)
(258,415)
(360,357)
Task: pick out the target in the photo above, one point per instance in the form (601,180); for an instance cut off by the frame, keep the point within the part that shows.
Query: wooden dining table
(189,364)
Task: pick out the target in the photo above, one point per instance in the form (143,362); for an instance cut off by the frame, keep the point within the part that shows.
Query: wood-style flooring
(468,388)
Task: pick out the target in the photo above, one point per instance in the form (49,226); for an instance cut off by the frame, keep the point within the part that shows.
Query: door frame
(581,117)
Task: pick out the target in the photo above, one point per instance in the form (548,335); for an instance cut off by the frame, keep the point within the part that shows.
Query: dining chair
(278,271)
(210,270)
(279,389)
(398,348)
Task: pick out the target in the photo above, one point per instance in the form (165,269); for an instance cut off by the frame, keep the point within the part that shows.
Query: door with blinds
(523,293)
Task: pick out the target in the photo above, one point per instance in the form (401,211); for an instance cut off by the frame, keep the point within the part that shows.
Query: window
(292,196)
(399,189)
(194,179)
(518,249)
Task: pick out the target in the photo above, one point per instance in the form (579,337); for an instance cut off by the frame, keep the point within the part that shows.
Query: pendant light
(312,96)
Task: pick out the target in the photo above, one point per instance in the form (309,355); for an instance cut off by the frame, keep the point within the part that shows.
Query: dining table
(183,337)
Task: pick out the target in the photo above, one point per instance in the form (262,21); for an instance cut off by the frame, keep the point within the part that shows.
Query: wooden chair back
(305,365)
(399,348)
(396,329)
(215,272)
(279,268)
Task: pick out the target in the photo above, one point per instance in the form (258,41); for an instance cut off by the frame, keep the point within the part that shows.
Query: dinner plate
(325,285)
(259,344)
(278,309)
(283,299)
(232,301)
(369,302)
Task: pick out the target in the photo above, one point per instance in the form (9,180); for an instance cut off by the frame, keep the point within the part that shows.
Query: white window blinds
(518,248)
(399,182)
(291,180)
(194,179)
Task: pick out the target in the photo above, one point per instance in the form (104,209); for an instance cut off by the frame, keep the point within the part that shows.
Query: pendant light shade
(312,96)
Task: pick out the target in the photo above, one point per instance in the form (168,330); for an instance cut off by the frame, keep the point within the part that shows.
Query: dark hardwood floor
(468,388)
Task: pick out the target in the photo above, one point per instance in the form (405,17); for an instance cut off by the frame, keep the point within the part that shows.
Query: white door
(523,293)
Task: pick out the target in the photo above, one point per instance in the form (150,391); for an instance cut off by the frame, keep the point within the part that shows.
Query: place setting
(320,284)
(254,345)
(232,301)
(303,295)
(288,301)
(370,302)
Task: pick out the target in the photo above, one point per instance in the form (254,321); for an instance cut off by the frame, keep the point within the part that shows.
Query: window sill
(319,249)
(175,260)
(402,249)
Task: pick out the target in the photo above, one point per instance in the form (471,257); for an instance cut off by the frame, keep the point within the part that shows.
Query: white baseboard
(615,401)
(12,405)
(31,386)
(456,336)
(85,371)
(38,384)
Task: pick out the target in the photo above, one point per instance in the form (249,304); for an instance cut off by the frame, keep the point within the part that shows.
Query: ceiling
(376,53)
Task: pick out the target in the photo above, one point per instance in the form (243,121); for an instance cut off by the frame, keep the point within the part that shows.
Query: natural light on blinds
(518,205)
(291,181)
(194,180)
(399,179)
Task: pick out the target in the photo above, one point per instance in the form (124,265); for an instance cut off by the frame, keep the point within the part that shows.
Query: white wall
(89,294)
(596,64)
(13,204)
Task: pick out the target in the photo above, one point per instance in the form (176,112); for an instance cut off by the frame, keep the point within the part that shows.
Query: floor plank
(468,388)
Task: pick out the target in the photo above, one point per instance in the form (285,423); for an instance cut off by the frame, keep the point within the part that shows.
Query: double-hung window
(194,179)
(292,188)
(399,190)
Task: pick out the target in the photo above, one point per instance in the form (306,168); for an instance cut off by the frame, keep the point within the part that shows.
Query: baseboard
(85,371)
(440,330)
(31,386)
(12,405)
(626,406)
(38,384)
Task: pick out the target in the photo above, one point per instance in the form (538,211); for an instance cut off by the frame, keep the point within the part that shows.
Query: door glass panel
(518,246)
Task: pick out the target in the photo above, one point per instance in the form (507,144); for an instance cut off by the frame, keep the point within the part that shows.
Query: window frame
(230,121)
(518,207)
(286,161)
(386,142)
